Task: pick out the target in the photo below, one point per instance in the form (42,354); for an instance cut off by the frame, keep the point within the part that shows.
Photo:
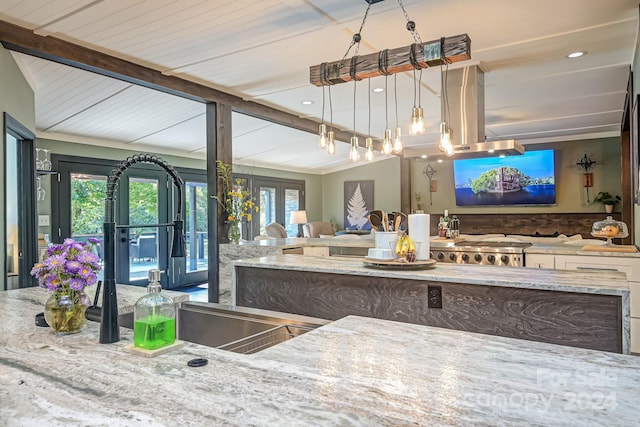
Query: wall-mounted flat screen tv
(527,179)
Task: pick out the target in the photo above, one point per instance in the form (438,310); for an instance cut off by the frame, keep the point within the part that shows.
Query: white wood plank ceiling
(262,50)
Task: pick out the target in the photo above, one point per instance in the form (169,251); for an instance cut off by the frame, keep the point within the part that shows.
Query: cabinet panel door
(539,261)
(631,266)
(634,288)
(635,335)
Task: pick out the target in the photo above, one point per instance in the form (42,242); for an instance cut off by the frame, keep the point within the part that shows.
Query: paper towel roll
(419,232)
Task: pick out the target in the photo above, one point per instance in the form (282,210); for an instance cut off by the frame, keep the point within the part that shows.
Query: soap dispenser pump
(154,317)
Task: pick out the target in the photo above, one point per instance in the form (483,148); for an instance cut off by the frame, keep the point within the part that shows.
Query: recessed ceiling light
(440,161)
(491,151)
(577,54)
(378,89)
(306,102)
(424,156)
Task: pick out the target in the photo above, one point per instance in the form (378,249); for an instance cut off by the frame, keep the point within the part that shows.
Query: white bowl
(380,253)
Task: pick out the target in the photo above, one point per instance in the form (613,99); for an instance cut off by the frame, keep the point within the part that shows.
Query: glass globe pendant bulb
(353,153)
(397,140)
(445,137)
(331,142)
(368,155)
(449,151)
(323,135)
(386,144)
(417,126)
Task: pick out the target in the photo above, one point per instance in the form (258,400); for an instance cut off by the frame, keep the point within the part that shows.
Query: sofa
(318,229)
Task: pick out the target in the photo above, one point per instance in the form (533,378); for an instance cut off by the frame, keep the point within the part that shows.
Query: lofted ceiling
(262,50)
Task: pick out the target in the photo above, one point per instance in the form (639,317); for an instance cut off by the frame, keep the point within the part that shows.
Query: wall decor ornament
(358,202)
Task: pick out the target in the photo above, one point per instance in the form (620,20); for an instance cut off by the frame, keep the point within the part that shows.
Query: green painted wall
(108,152)
(386,177)
(313,187)
(570,195)
(16,99)
(313,183)
(635,69)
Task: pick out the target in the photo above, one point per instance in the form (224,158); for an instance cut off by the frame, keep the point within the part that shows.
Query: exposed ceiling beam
(19,39)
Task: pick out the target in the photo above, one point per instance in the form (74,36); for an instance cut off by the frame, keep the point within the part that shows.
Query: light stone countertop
(335,375)
(565,249)
(300,242)
(593,282)
(127,296)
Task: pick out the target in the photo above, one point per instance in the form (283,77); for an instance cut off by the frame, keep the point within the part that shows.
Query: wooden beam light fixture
(416,56)
(391,61)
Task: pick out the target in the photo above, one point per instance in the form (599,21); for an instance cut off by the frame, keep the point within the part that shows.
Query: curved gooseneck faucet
(109,330)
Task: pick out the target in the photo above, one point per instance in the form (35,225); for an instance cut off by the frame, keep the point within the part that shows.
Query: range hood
(508,147)
(465,93)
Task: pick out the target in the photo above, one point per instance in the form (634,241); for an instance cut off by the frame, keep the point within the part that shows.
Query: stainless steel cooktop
(510,254)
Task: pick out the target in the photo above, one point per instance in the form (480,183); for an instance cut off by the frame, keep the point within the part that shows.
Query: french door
(277,199)
(145,196)
(193,268)
(143,201)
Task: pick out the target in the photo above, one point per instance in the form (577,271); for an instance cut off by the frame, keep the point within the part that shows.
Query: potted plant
(65,271)
(237,202)
(607,200)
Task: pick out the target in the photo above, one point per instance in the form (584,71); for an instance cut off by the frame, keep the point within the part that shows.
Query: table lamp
(298,218)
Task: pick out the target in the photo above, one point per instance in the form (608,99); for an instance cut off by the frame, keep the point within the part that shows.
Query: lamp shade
(298,217)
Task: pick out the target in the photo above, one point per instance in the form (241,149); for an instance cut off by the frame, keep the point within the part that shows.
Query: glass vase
(64,311)
(234,232)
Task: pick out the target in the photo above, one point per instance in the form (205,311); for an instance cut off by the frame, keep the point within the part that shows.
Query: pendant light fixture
(419,55)
(354,156)
(417,126)
(331,135)
(323,127)
(446,134)
(368,155)
(397,134)
(386,142)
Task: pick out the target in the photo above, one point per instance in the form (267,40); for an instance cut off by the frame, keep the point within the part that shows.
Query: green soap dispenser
(154,317)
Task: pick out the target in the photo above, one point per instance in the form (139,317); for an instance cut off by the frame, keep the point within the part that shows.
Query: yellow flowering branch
(238,203)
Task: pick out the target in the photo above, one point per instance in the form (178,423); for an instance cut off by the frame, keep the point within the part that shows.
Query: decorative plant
(68,267)
(605,198)
(419,204)
(237,203)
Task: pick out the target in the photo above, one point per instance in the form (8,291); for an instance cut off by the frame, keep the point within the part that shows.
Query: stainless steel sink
(237,329)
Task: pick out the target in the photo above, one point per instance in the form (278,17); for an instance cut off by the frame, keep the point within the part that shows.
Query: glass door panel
(143,241)
(267,200)
(196,226)
(87,209)
(12,215)
(20,237)
(278,198)
(291,203)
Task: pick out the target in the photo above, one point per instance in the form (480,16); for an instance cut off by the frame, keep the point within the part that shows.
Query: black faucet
(109,330)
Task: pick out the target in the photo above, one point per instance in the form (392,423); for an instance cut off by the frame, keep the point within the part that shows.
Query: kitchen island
(229,252)
(588,309)
(355,371)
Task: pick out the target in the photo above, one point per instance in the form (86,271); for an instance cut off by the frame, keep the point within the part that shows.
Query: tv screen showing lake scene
(528,179)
